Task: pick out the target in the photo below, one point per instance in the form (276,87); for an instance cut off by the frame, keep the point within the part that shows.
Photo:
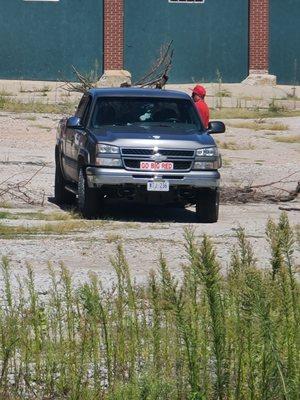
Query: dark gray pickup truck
(146,145)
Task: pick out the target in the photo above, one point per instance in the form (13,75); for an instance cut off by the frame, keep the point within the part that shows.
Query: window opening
(187,1)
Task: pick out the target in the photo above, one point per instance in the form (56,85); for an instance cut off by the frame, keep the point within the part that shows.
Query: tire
(61,195)
(207,206)
(89,201)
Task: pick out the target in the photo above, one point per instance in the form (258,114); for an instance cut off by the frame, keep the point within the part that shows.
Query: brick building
(42,39)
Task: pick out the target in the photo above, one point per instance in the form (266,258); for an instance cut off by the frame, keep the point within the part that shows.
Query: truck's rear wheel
(207,206)
(89,200)
(61,194)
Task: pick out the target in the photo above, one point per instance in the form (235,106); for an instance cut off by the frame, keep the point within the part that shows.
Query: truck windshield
(145,111)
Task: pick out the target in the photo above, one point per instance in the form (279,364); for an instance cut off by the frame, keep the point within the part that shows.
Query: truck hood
(161,136)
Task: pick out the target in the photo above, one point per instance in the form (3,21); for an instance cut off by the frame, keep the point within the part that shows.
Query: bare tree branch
(21,190)
(267,192)
(289,208)
(156,77)
(86,82)
(158,74)
(284,179)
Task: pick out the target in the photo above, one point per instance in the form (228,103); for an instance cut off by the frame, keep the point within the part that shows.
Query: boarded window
(187,1)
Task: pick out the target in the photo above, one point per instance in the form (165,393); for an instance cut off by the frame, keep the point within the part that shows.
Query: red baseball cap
(199,90)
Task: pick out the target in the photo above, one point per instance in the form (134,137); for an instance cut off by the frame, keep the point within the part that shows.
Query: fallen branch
(284,179)
(249,194)
(275,194)
(21,190)
(289,208)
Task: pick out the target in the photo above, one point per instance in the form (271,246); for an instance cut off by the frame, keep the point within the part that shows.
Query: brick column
(259,44)
(113,34)
(258,36)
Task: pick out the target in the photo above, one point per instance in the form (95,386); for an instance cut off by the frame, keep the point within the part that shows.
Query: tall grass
(208,336)
(31,106)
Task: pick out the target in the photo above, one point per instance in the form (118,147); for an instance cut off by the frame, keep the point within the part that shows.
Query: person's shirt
(203,111)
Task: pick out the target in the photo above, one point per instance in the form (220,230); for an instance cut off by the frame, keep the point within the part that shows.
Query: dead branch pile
(156,77)
(21,191)
(159,73)
(85,82)
(273,192)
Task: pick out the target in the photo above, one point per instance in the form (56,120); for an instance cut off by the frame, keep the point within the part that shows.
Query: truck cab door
(71,136)
(80,137)
(68,137)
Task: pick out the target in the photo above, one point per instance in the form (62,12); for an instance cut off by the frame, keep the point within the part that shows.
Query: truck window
(145,111)
(82,106)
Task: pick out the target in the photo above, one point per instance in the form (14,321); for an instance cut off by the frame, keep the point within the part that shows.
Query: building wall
(207,38)
(285,41)
(43,39)
(219,39)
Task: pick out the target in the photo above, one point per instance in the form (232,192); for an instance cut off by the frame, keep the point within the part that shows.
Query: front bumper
(97,177)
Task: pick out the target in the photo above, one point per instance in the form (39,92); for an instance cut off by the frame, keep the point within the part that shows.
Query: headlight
(107,149)
(207,152)
(108,162)
(206,165)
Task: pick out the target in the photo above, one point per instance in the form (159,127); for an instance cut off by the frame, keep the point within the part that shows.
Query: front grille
(177,153)
(182,159)
(178,165)
(144,152)
(164,152)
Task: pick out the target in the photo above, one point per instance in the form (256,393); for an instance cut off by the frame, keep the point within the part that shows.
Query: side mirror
(216,127)
(73,123)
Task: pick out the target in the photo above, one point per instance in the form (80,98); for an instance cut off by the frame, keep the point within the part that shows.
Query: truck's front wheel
(207,206)
(88,199)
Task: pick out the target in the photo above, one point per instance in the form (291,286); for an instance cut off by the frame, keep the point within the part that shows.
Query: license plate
(158,186)
(156,166)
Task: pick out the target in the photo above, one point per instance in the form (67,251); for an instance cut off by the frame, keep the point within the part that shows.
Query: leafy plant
(208,336)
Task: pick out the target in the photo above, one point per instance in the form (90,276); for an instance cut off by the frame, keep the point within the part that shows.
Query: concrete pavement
(218,94)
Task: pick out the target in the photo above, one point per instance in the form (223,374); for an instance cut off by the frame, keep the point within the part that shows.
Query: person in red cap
(198,96)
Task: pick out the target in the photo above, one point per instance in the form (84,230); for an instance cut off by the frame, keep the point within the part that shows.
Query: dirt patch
(44,233)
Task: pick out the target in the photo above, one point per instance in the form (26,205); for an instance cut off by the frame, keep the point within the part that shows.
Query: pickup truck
(145,145)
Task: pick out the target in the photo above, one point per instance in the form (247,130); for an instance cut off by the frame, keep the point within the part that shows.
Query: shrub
(210,336)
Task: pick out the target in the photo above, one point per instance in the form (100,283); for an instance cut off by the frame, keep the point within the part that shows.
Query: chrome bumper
(98,177)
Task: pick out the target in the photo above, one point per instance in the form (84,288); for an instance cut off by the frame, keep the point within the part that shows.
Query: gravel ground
(27,147)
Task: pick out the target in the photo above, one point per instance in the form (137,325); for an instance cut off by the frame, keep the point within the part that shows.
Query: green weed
(17,106)
(5,204)
(4,93)
(244,113)
(231,145)
(226,162)
(40,126)
(261,126)
(40,215)
(43,89)
(113,238)
(287,139)
(60,228)
(209,336)
(223,93)
(4,214)
(274,108)
(27,118)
